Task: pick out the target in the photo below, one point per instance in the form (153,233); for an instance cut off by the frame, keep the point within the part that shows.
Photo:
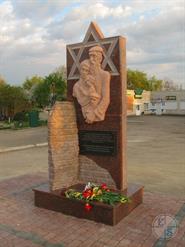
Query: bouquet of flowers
(92,192)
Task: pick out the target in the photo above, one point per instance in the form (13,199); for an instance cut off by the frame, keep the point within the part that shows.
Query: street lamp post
(53,94)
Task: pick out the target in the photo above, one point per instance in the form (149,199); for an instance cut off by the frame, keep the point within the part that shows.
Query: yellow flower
(99,192)
(122,200)
(93,195)
(76,194)
(95,189)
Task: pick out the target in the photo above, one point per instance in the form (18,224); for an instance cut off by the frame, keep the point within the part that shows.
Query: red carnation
(87,193)
(104,186)
(88,207)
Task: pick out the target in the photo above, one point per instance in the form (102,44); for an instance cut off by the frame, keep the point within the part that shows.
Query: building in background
(138,102)
(141,102)
(168,102)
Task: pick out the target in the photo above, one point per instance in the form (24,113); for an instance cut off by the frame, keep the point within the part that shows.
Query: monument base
(100,212)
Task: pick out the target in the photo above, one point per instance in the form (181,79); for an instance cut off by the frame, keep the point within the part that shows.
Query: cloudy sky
(34,34)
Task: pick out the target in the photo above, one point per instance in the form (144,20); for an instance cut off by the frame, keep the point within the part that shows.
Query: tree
(57,84)
(61,70)
(2,81)
(137,79)
(29,86)
(41,95)
(155,84)
(12,100)
(169,85)
(29,83)
(52,88)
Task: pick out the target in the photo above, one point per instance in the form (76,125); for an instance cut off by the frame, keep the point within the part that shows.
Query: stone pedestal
(100,212)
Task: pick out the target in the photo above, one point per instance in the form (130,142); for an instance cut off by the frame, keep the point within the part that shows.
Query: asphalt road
(155,153)
(13,138)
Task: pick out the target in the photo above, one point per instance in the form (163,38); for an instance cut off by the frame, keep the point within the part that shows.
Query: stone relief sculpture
(92,90)
(84,90)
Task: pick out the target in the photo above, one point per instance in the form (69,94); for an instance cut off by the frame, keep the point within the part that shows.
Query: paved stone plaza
(155,159)
(23,225)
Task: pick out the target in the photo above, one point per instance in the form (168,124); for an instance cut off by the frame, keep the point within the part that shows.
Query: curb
(4,150)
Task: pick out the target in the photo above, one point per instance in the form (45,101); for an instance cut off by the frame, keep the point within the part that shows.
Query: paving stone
(24,225)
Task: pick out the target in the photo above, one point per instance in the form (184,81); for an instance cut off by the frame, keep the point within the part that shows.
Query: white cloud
(98,10)
(39,10)
(33,34)
(75,23)
(157,42)
(163,71)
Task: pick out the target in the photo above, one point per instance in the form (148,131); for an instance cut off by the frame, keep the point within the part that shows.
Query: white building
(138,104)
(168,102)
(158,102)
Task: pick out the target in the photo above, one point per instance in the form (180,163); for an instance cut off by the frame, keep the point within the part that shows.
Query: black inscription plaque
(98,142)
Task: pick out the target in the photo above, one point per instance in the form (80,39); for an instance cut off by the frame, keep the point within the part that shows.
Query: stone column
(63,149)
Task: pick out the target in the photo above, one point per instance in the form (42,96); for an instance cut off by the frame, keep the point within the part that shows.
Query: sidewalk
(9,149)
(24,225)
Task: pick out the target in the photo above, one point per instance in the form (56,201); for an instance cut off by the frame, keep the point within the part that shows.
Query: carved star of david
(93,37)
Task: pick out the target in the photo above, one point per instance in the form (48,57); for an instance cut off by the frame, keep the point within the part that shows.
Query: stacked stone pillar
(63,146)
